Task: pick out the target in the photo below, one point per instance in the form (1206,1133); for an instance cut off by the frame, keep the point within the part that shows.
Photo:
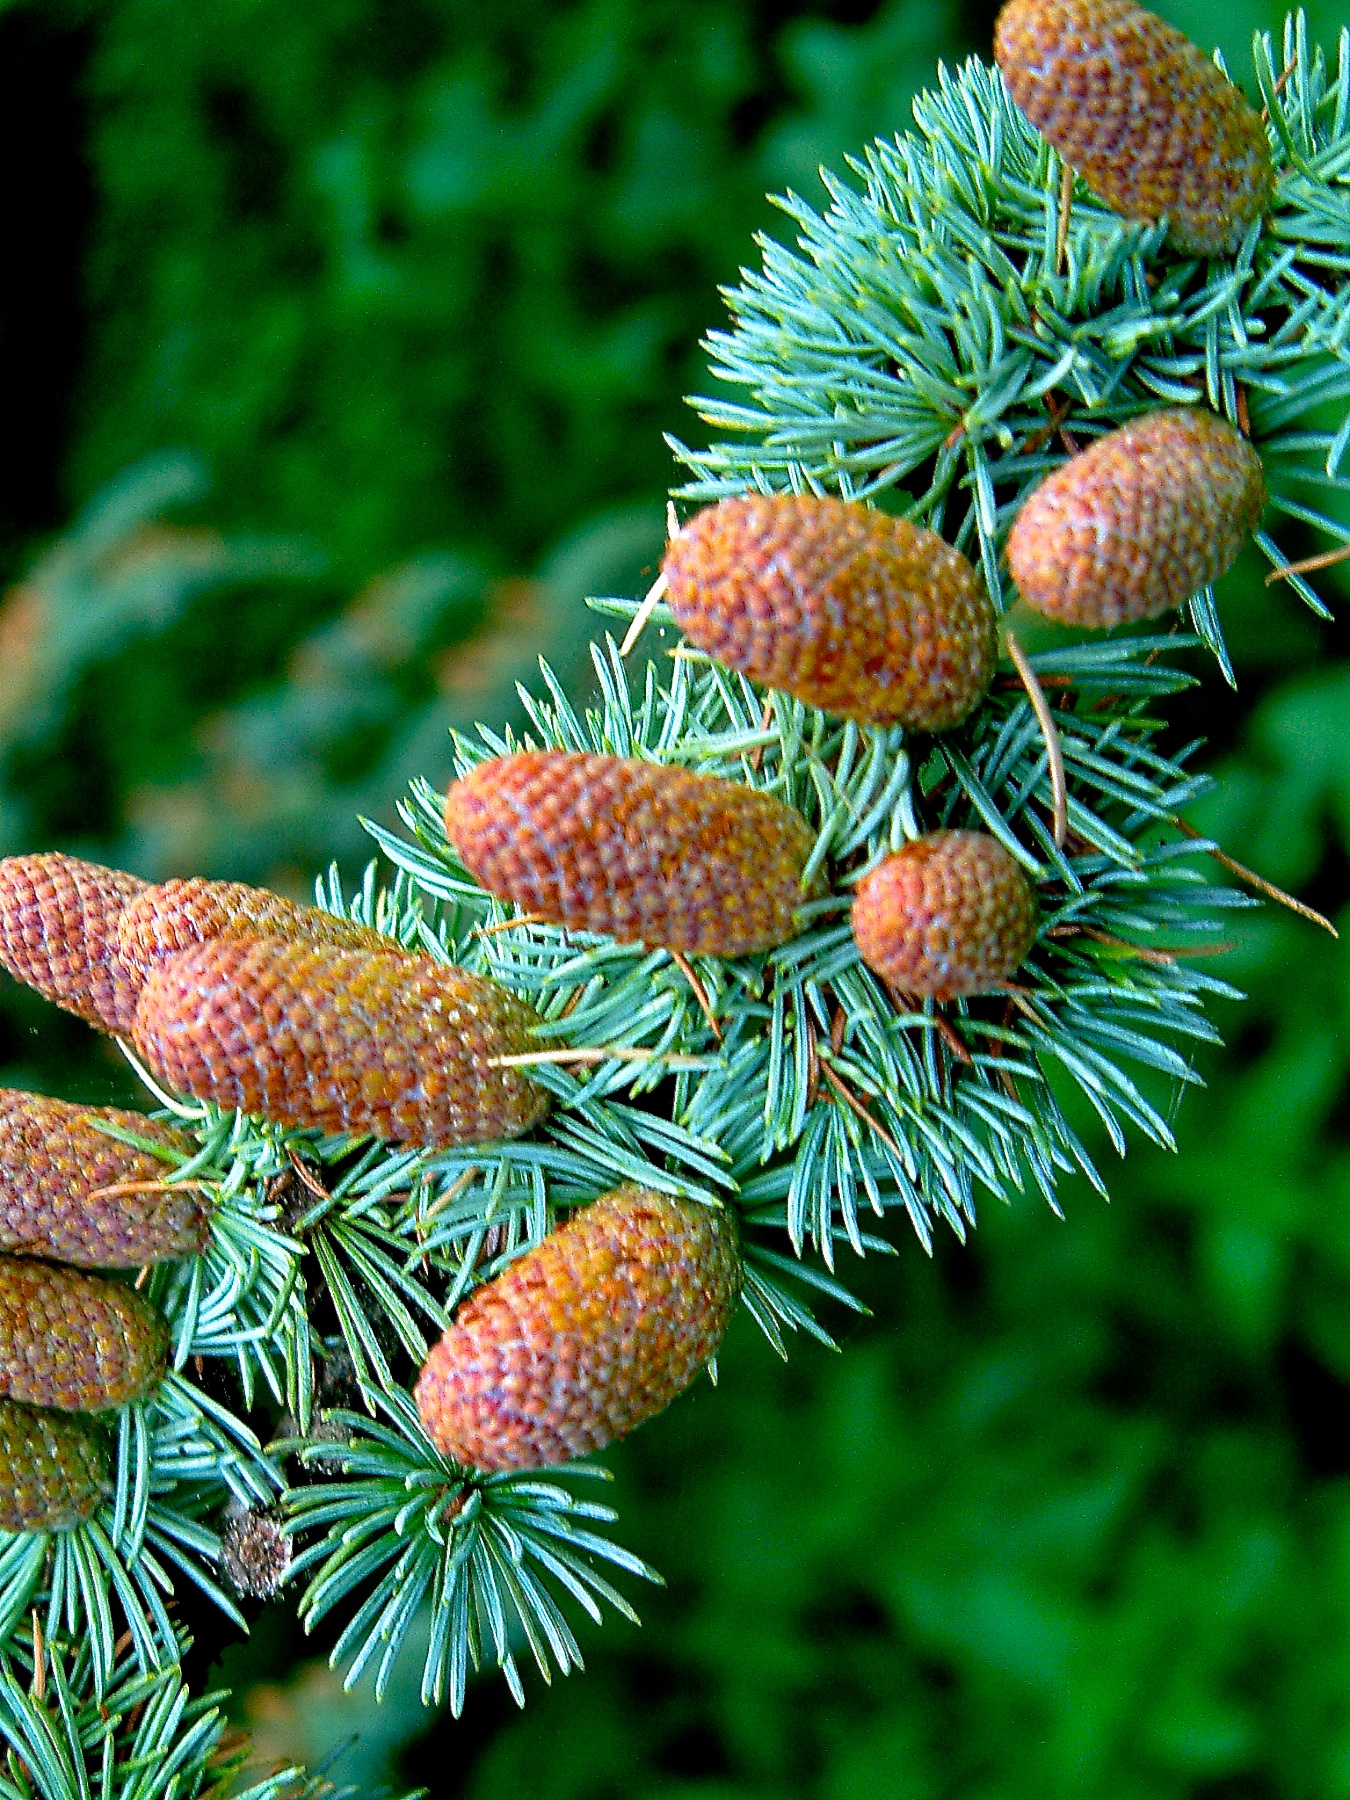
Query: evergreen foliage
(921,347)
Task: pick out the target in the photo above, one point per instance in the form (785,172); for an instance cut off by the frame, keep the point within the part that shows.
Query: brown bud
(177,915)
(77,1342)
(395,1045)
(53,1469)
(255,1553)
(594,1330)
(864,615)
(58,917)
(1139,521)
(643,853)
(54,1160)
(951,914)
(1142,114)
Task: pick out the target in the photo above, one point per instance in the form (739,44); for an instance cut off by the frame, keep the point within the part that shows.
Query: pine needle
(1049,731)
(654,595)
(1260,883)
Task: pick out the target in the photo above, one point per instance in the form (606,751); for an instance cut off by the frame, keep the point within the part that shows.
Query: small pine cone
(73,1341)
(1139,521)
(315,1035)
(949,915)
(1142,114)
(255,1553)
(594,1330)
(178,915)
(647,854)
(58,918)
(861,614)
(54,1158)
(53,1469)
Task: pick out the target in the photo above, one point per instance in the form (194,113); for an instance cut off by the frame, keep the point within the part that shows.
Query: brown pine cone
(177,915)
(594,1330)
(78,1342)
(951,914)
(58,917)
(864,615)
(1142,114)
(1139,521)
(53,1469)
(54,1158)
(312,1034)
(643,853)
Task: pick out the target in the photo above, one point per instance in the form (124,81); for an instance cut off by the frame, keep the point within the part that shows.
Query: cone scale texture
(1138,522)
(950,915)
(53,1158)
(1141,114)
(863,615)
(53,1469)
(594,1330)
(74,1341)
(639,852)
(58,919)
(312,1034)
(178,915)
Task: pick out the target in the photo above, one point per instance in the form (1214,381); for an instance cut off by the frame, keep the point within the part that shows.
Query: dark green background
(418,285)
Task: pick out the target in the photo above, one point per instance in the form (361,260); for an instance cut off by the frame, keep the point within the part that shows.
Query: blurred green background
(337,342)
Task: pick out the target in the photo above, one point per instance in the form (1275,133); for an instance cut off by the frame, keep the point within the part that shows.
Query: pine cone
(951,914)
(312,1034)
(177,915)
(53,1469)
(594,1330)
(58,917)
(864,615)
(73,1341)
(53,1159)
(644,853)
(1142,114)
(1139,521)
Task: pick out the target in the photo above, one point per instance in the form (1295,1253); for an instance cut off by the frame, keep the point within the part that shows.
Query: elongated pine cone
(54,1159)
(647,854)
(1141,114)
(58,918)
(312,1034)
(1139,521)
(74,1341)
(949,915)
(866,616)
(594,1330)
(53,1469)
(177,915)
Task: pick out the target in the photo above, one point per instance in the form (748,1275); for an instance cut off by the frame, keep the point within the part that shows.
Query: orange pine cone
(344,1040)
(861,614)
(53,1161)
(176,915)
(594,1330)
(58,917)
(77,1342)
(1139,521)
(951,914)
(644,853)
(53,1469)
(1142,114)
